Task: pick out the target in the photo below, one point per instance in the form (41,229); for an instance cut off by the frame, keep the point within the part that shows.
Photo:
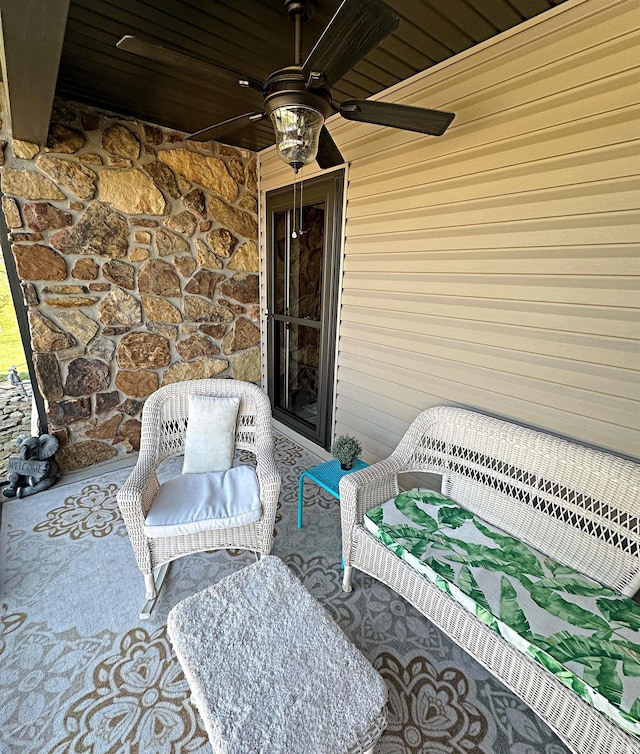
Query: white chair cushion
(211,433)
(191,503)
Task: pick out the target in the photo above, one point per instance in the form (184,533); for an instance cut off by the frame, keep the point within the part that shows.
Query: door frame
(330,189)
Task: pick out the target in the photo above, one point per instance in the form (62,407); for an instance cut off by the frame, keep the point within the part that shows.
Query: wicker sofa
(577,506)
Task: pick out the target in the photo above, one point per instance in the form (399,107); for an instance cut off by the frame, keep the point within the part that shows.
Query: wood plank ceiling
(254,37)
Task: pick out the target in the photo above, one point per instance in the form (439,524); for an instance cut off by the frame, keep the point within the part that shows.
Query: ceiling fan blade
(175,59)
(420,119)
(357,28)
(220,130)
(328,153)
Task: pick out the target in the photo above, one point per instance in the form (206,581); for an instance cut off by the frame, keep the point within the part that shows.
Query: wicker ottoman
(269,670)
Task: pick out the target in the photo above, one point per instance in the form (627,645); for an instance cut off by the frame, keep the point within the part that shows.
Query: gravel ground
(15,420)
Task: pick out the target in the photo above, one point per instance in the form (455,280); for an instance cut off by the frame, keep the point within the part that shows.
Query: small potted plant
(346,449)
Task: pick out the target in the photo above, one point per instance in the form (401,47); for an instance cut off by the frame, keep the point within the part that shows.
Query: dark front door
(303,260)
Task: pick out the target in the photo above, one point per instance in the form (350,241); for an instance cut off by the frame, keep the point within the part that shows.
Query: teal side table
(326,475)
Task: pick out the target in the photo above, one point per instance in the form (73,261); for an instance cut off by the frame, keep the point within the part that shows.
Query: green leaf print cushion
(582,632)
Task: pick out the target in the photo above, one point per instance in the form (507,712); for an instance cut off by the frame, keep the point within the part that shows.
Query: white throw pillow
(211,434)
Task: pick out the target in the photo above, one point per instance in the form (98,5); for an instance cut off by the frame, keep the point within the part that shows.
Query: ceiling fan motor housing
(287,87)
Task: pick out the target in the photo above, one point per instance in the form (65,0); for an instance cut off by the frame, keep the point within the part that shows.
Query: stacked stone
(137,252)
(15,420)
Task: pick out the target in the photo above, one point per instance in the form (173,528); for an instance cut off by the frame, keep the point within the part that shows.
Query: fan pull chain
(294,234)
(299,231)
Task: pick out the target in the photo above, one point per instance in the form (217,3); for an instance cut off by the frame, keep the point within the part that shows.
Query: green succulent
(346,449)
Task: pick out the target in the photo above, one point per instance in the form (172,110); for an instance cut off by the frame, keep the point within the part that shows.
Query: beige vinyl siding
(497,267)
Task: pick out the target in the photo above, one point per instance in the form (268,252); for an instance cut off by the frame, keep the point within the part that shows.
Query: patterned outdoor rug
(80,673)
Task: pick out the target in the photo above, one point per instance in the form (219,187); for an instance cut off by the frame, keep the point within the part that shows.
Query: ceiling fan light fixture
(297,129)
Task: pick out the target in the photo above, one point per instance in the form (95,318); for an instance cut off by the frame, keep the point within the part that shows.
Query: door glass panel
(299,350)
(305,286)
(280,261)
(299,262)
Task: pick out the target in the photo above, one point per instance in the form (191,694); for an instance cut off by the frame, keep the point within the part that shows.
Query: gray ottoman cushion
(269,670)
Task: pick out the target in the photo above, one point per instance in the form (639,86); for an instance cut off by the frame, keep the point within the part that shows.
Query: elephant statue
(41,474)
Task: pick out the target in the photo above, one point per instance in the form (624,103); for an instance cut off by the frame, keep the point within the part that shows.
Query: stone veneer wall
(137,255)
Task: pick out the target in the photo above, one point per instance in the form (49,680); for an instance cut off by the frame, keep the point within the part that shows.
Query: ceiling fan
(297,98)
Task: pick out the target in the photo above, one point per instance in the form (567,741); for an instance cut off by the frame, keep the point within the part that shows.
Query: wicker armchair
(164,423)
